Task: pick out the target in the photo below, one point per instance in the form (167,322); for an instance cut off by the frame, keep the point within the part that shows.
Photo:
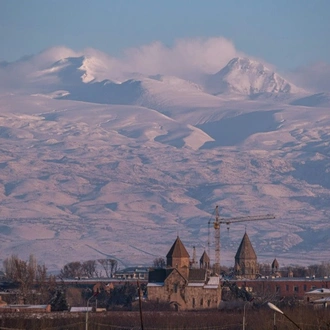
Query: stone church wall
(198,297)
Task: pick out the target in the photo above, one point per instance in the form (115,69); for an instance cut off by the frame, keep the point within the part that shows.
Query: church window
(175,288)
(202,302)
(193,302)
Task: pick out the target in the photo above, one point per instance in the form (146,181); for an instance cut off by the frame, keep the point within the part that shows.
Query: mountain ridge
(91,168)
(248,77)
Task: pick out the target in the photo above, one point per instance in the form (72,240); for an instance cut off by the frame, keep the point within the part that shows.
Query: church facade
(182,286)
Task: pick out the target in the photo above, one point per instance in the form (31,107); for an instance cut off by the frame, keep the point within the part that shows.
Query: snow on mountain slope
(56,66)
(93,78)
(247,77)
(158,92)
(78,78)
(94,167)
(71,71)
(89,178)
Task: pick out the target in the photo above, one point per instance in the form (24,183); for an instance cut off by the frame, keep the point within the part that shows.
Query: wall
(201,298)
(289,287)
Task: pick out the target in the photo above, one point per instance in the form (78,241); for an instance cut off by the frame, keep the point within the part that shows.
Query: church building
(246,265)
(182,286)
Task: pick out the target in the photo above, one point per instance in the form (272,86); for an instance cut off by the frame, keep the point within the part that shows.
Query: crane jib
(249,218)
(216,225)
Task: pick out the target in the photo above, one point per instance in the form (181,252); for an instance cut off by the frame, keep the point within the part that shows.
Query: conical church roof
(177,250)
(204,258)
(245,250)
(275,264)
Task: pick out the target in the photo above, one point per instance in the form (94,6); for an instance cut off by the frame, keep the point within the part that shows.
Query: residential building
(138,273)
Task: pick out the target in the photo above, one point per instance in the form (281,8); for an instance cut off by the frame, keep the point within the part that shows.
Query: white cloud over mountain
(187,58)
(315,77)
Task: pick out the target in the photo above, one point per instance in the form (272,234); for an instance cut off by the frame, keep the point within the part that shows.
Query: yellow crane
(216,225)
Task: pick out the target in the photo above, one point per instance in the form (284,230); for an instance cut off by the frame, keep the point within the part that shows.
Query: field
(256,319)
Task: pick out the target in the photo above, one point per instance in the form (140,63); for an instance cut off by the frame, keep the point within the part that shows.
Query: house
(317,295)
(133,273)
(181,286)
(25,309)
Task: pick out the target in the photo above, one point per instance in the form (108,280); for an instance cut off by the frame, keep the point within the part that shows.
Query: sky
(286,33)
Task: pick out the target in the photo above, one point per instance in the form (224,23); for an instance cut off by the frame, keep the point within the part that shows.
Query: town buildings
(137,273)
(186,287)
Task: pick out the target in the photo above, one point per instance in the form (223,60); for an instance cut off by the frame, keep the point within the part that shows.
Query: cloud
(18,74)
(187,58)
(315,77)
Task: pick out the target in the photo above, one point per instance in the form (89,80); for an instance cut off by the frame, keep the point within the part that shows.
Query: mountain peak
(74,70)
(248,77)
(242,62)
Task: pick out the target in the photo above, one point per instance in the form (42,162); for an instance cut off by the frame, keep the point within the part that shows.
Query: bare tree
(89,268)
(109,266)
(41,283)
(159,263)
(21,272)
(264,269)
(72,270)
(325,269)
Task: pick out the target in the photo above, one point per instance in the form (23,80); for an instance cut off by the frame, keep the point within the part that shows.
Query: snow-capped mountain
(247,77)
(94,166)
(69,73)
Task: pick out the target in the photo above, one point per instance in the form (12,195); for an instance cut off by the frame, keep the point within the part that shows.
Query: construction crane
(216,225)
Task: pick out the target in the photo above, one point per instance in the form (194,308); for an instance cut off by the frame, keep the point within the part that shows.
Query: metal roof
(177,250)
(245,250)
(81,309)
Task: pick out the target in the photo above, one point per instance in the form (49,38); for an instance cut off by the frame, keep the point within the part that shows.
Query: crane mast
(216,225)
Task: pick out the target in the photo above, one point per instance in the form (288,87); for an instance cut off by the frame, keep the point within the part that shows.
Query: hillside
(94,167)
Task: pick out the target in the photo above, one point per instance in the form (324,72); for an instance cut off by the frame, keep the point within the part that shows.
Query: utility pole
(140,304)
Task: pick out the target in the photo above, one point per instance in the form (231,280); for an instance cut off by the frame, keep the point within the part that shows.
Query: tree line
(33,284)
(30,282)
(90,269)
